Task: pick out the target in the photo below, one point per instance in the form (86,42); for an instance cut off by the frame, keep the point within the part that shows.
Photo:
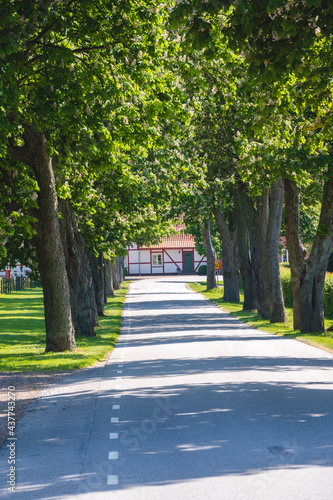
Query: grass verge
(252,318)
(22,334)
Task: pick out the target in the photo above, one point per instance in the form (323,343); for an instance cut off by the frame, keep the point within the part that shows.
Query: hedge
(288,293)
(286,286)
(328,296)
(202,271)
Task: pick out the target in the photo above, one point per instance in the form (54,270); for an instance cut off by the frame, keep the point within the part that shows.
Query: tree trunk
(100,261)
(60,334)
(229,255)
(272,303)
(84,309)
(308,274)
(258,246)
(115,275)
(104,278)
(94,263)
(246,268)
(211,258)
(296,250)
(120,269)
(108,278)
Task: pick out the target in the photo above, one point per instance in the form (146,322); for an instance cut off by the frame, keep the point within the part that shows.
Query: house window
(157,259)
(285,255)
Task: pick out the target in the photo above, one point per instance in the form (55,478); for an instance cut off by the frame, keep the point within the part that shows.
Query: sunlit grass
(252,318)
(22,334)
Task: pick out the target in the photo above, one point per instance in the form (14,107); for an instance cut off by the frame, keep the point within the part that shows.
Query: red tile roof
(180,240)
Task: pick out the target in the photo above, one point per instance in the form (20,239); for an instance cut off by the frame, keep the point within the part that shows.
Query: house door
(188,262)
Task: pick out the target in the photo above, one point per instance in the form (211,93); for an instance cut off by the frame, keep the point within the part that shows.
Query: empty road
(191,404)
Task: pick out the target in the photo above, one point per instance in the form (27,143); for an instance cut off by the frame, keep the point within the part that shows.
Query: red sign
(218,265)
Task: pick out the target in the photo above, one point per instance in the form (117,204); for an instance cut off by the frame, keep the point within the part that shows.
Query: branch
(44,32)
(47,29)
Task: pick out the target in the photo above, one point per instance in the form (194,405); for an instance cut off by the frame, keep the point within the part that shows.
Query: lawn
(323,341)
(22,334)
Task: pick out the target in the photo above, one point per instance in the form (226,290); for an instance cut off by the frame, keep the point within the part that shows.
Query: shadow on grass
(22,340)
(253,319)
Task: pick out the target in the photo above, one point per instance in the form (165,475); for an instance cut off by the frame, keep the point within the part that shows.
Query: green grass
(252,318)
(22,334)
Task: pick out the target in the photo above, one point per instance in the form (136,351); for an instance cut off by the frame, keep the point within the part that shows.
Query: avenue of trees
(118,117)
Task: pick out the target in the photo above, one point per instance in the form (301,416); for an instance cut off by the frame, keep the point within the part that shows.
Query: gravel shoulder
(28,387)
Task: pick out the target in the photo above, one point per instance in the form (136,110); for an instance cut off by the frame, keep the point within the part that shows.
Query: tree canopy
(140,112)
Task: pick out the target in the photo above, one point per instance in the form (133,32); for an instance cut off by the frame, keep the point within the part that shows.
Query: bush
(202,271)
(288,291)
(286,285)
(328,296)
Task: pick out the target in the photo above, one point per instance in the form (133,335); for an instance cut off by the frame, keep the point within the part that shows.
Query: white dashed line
(113,479)
(113,435)
(114,420)
(113,455)
(115,407)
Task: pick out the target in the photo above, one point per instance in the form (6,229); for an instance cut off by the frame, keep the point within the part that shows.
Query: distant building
(284,256)
(14,272)
(174,255)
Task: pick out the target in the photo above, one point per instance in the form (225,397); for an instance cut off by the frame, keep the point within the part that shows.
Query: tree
(58,318)
(230,259)
(85,76)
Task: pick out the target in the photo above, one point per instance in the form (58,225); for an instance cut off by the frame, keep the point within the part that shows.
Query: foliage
(288,292)
(202,271)
(100,81)
(328,295)
(286,285)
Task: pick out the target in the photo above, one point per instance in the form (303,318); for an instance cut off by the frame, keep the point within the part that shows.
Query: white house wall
(141,261)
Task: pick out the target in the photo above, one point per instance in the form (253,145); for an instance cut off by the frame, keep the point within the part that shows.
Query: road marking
(113,480)
(114,420)
(115,407)
(113,455)
(120,366)
(113,435)
(117,396)
(120,371)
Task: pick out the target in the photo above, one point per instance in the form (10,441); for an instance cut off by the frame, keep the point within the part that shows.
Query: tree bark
(60,334)
(120,268)
(246,267)
(296,250)
(115,276)
(83,302)
(258,245)
(228,235)
(308,274)
(117,272)
(211,258)
(100,261)
(98,281)
(108,278)
(271,304)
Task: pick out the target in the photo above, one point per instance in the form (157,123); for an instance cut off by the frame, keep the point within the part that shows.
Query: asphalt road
(191,404)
